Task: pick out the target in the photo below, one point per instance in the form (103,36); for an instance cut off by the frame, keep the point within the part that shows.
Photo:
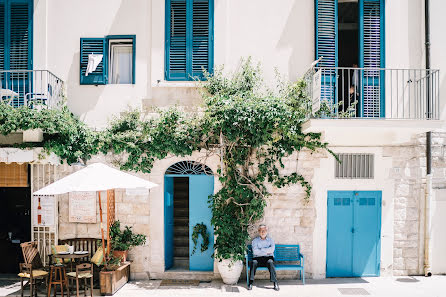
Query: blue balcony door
(187,187)
(16,38)
(353,233)
(371,55)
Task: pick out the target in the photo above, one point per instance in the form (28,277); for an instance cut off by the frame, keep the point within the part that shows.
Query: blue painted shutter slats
(371,39)
(326,46)
(19,54)
(326,37)
(189,38)
(201,42)
(2,36)
(176,45)
(93,46)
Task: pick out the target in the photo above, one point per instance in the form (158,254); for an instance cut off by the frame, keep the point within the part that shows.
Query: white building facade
(148,55)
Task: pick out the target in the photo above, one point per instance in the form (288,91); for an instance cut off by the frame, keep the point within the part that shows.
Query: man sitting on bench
(263,256)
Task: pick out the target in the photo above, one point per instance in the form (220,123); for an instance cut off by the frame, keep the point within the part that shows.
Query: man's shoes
(276,286)
(250,286)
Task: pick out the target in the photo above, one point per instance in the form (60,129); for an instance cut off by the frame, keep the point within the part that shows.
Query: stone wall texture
(289,217)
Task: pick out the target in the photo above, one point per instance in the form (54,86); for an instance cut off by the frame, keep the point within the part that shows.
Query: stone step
(181,262)
(184,203)
(181,241)
(173,273)
(181,251)
(181,212)
(181,230)
(184,221)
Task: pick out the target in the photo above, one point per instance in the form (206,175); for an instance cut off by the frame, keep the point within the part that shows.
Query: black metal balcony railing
(374,92)
(31,88)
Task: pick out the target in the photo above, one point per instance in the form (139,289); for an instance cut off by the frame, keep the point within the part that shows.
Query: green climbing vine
(200,229)
(250,126)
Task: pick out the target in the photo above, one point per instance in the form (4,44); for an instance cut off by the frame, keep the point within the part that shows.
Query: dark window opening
(348,53)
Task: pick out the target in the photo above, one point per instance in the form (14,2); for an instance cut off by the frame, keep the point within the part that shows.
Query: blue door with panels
(200,184)
(353,233)
(200,188)
(168,222)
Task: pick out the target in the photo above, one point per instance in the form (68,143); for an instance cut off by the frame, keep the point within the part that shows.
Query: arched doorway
(187,186)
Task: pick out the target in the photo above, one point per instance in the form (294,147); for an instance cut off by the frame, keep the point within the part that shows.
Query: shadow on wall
(298,36)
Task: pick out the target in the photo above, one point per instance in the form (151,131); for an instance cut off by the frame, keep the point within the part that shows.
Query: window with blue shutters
(348,34)
(114,49)
(16,20)
(371,55)
(189,39)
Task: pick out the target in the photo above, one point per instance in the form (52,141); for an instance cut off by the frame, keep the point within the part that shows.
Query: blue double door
(200,188)
(353,233)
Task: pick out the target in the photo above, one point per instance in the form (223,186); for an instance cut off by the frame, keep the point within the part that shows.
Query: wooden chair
(32,269)
(83,271)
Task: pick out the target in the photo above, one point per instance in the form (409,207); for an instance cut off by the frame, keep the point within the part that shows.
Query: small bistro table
(73,256)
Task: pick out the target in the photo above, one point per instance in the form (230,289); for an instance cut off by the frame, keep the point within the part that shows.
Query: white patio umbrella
(95,177)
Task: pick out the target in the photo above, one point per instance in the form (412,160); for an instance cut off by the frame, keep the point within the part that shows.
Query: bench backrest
(282,252)
(83,244)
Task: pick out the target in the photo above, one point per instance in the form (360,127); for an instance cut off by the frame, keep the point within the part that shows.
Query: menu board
(82,207)
(47,210)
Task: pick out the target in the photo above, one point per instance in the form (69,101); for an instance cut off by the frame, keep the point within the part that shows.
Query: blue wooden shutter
(202,37)
(2,35)
(189,38)
(327,45)
(93,46)
(372,56)
(20,40)
(176,15)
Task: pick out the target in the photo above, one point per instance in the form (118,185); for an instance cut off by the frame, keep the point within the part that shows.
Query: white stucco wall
(279,36)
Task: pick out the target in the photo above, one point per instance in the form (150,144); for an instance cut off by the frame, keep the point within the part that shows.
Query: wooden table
(74,257)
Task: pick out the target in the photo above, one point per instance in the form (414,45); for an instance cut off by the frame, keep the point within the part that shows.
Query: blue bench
(286,257)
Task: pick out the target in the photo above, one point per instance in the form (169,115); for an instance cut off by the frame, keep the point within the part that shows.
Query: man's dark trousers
(263,262)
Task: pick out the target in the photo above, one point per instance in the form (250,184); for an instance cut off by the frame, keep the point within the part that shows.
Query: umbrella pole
(102,230)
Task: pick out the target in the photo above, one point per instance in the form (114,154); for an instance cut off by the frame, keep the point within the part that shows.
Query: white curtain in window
(121,64)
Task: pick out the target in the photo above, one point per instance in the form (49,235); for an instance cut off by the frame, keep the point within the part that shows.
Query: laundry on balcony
(93,62)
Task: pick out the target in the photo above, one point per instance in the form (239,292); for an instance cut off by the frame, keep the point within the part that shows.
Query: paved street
(396,286)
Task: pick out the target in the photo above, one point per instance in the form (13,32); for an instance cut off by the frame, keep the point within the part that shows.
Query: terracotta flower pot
(121,254)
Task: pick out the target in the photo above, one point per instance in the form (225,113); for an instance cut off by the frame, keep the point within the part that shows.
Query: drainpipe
(427,215)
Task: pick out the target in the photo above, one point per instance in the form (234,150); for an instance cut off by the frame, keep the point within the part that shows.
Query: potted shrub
(113,276)
(232,235)
(122,240)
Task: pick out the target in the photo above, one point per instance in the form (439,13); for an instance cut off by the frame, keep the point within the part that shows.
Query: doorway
(348,54)
(353,233)
(187,186)
(15,214)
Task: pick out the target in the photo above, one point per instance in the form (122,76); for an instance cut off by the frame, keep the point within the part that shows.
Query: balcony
(372,106)
(37,89)
(374,93)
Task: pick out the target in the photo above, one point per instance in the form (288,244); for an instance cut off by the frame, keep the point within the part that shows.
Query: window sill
(175,84)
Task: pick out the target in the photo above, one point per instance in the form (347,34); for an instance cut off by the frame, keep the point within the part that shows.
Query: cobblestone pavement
(383,286)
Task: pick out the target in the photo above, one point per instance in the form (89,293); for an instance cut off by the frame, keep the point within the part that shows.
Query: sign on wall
(82,207)
(44,209)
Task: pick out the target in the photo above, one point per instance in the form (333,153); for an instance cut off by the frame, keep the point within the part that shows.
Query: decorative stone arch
(189,168)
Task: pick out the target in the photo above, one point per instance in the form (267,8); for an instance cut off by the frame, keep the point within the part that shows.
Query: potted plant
(232,235)
(122,240)
(113,276)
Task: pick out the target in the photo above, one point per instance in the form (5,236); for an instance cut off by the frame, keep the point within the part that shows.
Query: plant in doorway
(122,240)
(200,229)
